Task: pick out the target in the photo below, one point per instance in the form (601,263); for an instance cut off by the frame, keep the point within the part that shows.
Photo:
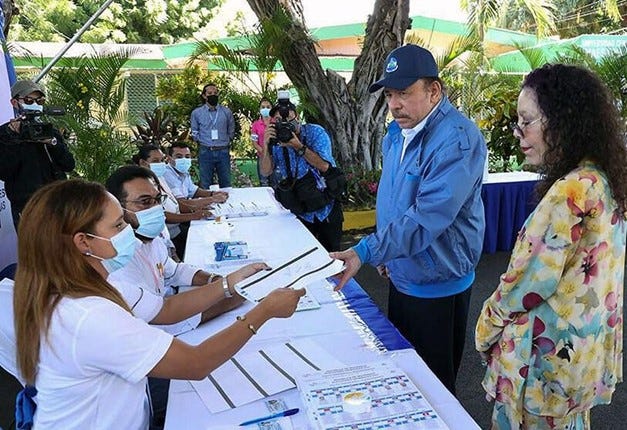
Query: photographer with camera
(32,152)
(301,158)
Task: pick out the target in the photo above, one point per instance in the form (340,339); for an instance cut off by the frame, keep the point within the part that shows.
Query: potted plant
(359,208)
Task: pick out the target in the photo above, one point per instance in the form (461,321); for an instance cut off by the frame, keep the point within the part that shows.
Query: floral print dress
(553,327)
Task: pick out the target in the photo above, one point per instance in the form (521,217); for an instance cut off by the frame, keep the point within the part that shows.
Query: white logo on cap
(392,65)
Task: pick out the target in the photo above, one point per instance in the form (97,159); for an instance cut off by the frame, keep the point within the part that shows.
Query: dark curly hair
(582,121)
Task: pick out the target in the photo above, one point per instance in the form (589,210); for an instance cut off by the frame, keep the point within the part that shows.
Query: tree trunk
(8,7)
(354,118)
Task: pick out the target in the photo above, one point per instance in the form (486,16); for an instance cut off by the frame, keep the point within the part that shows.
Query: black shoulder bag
(300,195)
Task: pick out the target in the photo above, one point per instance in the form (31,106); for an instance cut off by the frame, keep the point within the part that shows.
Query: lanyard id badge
(214,130)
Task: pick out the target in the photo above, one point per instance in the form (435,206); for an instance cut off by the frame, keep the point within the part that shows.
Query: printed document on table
(243,204)
(252,376)
(308,266)
(395,401)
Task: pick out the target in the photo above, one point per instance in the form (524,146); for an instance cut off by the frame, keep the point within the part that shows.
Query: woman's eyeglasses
(521,127)
(29,100)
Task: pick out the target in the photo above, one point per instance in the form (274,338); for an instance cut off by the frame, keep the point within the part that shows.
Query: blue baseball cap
(404,66)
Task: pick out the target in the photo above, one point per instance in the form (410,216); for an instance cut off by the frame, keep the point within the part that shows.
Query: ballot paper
(393,399)
(252,376)
(311,265)
(240,210)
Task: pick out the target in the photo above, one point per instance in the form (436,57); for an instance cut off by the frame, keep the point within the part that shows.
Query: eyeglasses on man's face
(149,201)
(516,127)
(30,100)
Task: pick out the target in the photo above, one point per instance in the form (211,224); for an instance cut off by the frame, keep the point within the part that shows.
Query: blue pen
(287,413)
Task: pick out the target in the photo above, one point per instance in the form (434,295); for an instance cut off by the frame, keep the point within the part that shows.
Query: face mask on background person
(212,99)
(124,244)
(158,168)
(183,164)
(33,107)
(265,112)
(151,221)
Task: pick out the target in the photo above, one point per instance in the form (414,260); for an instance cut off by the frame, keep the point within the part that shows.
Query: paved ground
(469,388)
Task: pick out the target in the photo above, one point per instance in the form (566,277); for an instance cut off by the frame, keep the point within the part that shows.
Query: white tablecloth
(275,237)
(497,178)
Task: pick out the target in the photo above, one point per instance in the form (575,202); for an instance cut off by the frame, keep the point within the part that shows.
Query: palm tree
(92,90)
(483,13)
(256,54)
(575,17)
(544,17)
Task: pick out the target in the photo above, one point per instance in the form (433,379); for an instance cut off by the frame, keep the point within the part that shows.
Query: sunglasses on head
(29,100)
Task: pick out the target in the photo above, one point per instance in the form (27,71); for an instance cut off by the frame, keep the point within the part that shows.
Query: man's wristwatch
(301,151)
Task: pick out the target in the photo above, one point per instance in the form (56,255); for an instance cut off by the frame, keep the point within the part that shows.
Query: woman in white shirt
(77,340)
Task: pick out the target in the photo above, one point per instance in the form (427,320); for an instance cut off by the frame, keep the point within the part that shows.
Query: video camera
(33,129)
(284,128)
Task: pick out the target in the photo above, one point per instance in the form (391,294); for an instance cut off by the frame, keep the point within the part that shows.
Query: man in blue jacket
(430,218)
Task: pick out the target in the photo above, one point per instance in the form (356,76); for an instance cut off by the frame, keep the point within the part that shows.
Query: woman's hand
(485,358)
(282,302)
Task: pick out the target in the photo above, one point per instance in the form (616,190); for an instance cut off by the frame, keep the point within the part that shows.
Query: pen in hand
(287,413)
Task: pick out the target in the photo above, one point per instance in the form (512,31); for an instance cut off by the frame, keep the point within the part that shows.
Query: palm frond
(543,12)
(460,46)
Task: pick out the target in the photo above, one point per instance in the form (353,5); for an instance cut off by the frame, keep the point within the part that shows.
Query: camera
(284,128)
(33,129)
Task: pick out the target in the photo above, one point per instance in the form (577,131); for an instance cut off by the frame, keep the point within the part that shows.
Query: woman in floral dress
(551,333)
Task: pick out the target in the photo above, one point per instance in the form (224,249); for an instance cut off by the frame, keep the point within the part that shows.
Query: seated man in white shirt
(152,268)
(177,176)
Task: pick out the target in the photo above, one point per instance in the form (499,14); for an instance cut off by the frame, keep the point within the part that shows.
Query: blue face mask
(158,168)
(183,164)
(151,221)
(33,107)
(124,244)
(265,112)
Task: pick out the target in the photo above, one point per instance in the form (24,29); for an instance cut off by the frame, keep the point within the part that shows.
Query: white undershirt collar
(410,133)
